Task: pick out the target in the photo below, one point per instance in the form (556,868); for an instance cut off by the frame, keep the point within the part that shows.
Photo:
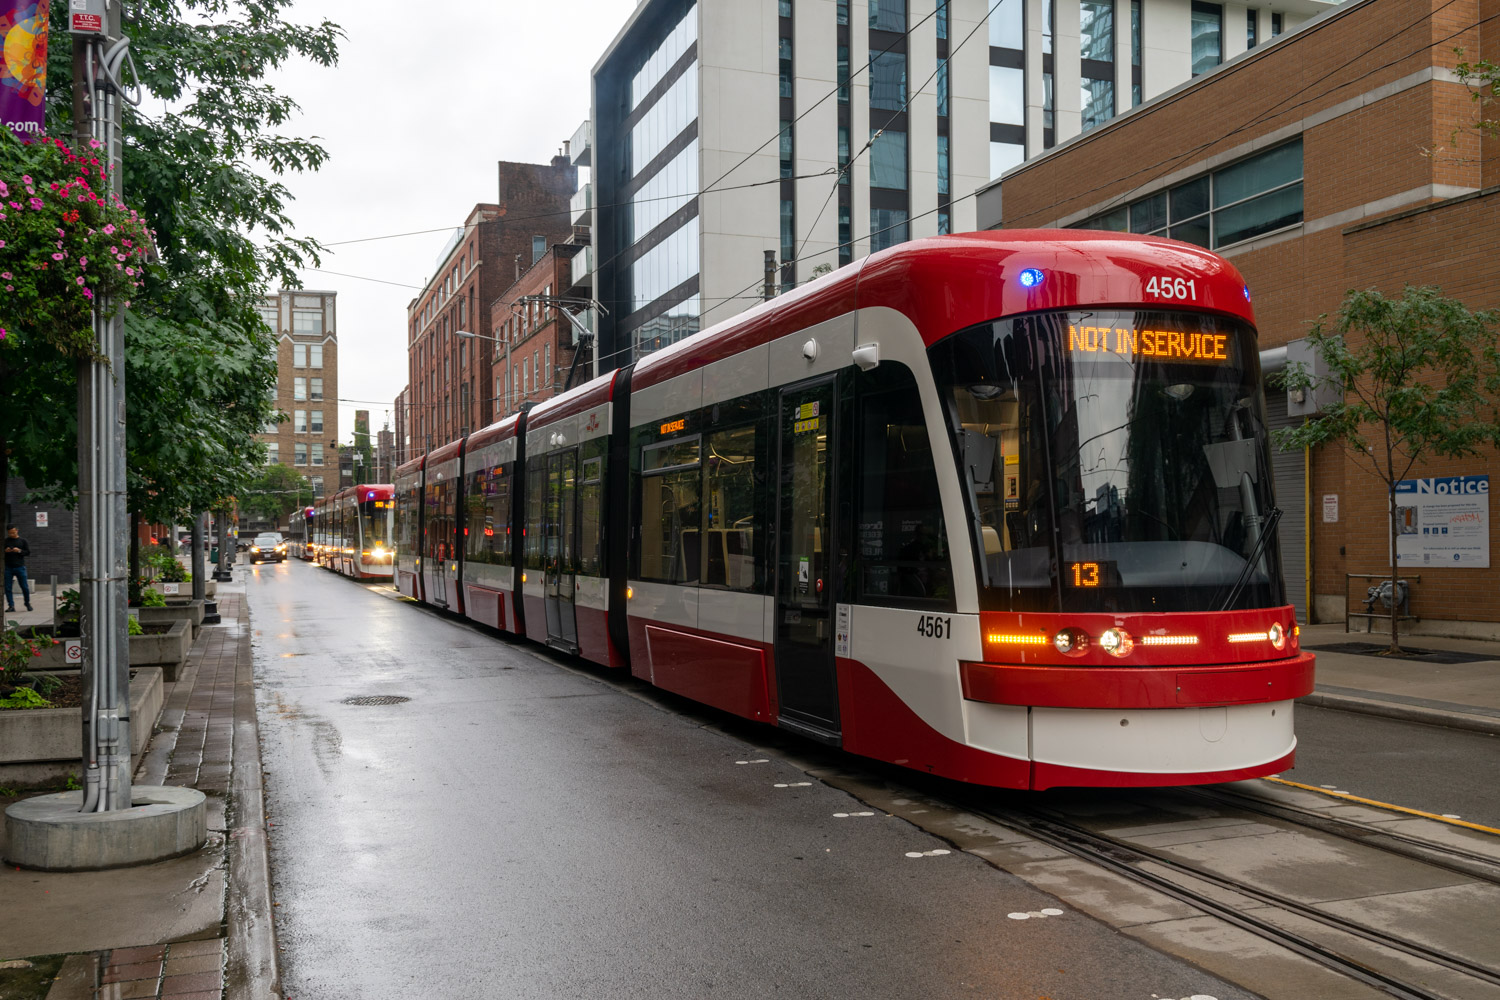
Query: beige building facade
(307,363)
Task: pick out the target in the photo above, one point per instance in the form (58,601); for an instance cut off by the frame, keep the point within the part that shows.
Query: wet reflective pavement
(517,827)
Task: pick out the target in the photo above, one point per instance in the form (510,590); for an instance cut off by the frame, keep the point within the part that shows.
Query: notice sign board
(41,519)
(72,652)
(1443,521)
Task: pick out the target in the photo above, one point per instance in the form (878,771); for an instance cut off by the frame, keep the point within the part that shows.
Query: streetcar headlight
(1116,642)
(1070,641)
(380,552)
(1277,635)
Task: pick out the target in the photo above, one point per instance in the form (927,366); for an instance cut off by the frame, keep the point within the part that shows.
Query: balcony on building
(583,205)
(580,146)
(582,273)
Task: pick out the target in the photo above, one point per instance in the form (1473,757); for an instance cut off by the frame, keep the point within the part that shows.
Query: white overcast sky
(415,116)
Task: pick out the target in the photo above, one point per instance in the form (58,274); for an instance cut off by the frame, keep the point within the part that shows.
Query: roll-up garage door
(1288,470)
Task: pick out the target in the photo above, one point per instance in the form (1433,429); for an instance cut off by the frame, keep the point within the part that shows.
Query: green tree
(1420,377)
(275,492)
(201,158)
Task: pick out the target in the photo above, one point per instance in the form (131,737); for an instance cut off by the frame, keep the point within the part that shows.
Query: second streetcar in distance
(995,506)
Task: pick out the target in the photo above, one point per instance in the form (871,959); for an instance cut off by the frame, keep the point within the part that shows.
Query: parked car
(268,546)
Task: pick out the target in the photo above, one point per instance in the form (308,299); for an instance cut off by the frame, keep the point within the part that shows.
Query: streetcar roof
(944,284)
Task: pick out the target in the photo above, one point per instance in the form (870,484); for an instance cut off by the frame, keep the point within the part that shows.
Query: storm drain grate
(376,699)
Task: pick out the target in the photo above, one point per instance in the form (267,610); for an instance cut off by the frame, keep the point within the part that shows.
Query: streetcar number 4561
(935,626)
(1172,288)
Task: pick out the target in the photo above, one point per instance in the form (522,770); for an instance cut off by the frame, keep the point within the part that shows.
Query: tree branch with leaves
(1419,378)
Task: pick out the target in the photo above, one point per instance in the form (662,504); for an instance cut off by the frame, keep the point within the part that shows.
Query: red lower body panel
(726,673)
(594,642)
(484,605)
(1044,686)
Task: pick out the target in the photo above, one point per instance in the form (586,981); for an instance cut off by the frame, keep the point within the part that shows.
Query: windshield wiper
(1267,531)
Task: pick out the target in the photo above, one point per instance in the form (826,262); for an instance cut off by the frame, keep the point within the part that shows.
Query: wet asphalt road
(520,829)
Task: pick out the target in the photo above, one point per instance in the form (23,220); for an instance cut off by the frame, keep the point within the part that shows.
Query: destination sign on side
(1129,343)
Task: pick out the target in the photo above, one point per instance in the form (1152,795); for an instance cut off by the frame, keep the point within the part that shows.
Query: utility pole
(99,51)
(769,292)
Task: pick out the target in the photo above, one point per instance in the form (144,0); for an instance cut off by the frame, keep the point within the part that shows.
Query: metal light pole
(99,51)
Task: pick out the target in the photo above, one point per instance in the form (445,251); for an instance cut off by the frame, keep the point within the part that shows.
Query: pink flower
(88,294)
(95,144)
(26,179)
(79,280)
(83,262)
(109,230)
(58,256)
(5,275)
(36,204)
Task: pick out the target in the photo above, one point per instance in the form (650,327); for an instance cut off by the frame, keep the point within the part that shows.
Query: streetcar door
(804,571)
(560,529)
(440,542)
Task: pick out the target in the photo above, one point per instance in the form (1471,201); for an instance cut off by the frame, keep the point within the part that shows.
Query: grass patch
(33,982)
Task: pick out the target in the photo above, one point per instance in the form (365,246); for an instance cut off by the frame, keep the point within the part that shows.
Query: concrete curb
(251,970)
(1403,712)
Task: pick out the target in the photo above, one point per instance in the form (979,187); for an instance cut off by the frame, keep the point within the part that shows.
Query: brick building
(449,377)
(307,384)
(1338,156)
(401,410)
(537,344)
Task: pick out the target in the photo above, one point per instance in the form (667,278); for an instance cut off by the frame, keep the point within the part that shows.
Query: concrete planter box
(168,651)
(42,745)
(184,590)
(175,609)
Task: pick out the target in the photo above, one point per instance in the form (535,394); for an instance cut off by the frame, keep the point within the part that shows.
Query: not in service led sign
(672,426)
(1166,345)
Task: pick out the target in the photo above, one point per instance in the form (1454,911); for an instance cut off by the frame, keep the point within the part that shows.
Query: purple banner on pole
(23,65)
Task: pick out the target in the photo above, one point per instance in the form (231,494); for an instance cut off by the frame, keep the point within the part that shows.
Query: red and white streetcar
(994,506)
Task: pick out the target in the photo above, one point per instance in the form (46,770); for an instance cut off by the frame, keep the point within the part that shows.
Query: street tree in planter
(1420,377)
(201,367)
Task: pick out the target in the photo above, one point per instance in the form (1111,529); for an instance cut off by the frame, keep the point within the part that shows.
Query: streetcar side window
(903,542)
(731,500)
(669,547)
(591,508)
(487,515)
(536,498)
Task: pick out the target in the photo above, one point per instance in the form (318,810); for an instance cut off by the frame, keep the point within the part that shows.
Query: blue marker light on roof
(1031,277)
(1247,293)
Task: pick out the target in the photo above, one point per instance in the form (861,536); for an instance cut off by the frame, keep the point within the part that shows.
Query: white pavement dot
(1328,786)
(800,784)
(1053,911)
(841,815)
(1019,916)
(862,814)
(913,854)
(937,853)
(1200,996)
(761,761)
(1452,816)
(779,784)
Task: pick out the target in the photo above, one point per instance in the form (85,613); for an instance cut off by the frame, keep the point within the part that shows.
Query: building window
(843,154)
(945,223)
(299,453)
(786,150)
(843,72)
(1135,52)
(1097,67)
(942,18)
(1252,18)
(1275,23)
(888,226)
(273,452)
(269,315)
(315,422)
(547,362)
(317,454)
(943,171)
(1208,36)
(526,376)
(784,65)
(942,87)
(1049,20)
(299,355)
(317,486)
(888,81)
(299,421)
(299,389)
(888,160)
(538,248)
(1247,199)
(307,321)
(846,236)
(315,388)
(888,15)
(315,355)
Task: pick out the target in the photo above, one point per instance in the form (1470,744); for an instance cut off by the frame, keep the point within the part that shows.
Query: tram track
(1136,863)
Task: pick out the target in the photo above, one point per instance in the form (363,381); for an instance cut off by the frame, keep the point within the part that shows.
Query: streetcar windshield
(1114,460)
(377,517)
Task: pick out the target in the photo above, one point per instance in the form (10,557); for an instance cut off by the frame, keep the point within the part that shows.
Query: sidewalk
(1418,688)
(191,928)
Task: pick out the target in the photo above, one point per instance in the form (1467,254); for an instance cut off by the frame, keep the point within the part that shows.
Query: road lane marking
(1345,796)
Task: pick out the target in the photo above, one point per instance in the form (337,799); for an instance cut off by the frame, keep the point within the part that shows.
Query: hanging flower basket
(67,244)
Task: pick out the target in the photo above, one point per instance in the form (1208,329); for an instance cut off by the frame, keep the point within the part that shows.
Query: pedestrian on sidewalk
(16,551)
